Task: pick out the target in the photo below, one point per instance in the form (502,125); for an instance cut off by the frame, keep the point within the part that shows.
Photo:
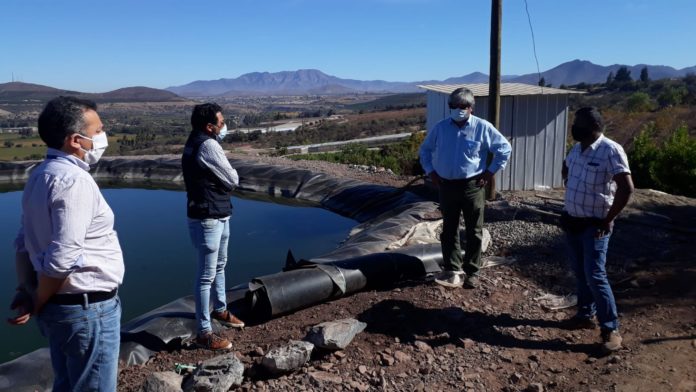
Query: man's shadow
(451,325)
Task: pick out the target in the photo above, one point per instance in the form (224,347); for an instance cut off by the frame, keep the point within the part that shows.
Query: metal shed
(532,118)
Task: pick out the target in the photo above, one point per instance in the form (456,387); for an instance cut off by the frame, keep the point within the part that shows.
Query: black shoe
(578,322)
(471,281)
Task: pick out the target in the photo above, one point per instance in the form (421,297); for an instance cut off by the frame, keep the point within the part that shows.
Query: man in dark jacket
(209,179)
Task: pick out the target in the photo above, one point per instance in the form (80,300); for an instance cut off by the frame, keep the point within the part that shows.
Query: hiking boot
(211,341)
(452,279)
(471,281)
(578,322)
(227,319)
(611,340)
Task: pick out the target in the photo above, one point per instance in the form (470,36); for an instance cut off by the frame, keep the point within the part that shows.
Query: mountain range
(315,82)
(312,81)
(19,91)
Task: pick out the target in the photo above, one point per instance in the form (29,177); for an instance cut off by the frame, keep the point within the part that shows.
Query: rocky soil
(422,337)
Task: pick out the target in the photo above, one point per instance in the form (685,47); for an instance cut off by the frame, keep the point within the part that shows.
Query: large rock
(162,382)
(335,335)
(287,358)
(216,375)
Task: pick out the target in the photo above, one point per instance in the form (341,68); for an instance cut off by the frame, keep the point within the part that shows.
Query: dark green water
(160,260)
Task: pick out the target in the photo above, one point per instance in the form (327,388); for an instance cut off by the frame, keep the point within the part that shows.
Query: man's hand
(604,228)
(484,178)
(23,303)
(435,178)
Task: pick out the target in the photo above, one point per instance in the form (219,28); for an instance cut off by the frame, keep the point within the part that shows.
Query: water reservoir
(160,260)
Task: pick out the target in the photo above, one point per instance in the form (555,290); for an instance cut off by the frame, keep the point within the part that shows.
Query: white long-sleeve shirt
(212,156)
(68,228)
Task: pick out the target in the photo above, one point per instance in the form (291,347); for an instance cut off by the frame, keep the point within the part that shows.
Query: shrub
(642,158)
(639,102)
(670,167)
(401,158)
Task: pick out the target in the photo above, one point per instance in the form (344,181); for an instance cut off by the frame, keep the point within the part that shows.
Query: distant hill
(19,92)
(579,71)
(312,81)
(304,81)
(402,100)
(138,94)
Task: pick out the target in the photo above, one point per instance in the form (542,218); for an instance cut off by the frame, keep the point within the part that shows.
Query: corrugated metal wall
(535,125)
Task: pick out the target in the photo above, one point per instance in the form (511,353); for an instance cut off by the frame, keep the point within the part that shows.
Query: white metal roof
(506,89)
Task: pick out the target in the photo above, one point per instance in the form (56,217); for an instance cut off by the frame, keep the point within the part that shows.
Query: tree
(644,75)
(623,75)
(610,79)
(542,82)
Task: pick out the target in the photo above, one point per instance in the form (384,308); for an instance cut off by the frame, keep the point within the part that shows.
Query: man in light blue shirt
(454,155)
(69,261)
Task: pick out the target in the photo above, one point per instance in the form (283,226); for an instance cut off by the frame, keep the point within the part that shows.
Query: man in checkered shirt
(598,186)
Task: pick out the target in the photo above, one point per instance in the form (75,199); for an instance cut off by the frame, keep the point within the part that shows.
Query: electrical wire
(531,29)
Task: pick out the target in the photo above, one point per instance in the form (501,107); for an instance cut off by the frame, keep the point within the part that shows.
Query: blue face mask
(459,115)
(223,132)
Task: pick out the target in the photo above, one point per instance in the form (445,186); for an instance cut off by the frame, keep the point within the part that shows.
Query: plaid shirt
(590,188)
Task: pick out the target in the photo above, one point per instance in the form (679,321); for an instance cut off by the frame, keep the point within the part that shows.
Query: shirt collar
(52,152)
(596,143)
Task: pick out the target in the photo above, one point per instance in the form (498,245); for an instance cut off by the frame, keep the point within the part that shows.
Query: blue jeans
(84,344)
(210,237)
(588,258)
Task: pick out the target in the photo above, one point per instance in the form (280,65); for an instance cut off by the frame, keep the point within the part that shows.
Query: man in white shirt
(69,261)
(598,186)
(209,180)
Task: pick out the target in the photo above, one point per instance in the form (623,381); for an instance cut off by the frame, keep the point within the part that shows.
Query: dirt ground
(421,337)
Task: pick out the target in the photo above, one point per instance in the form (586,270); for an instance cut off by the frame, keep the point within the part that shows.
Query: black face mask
(580,133)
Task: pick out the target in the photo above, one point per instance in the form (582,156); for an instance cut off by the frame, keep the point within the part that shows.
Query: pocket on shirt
(472,149)
(595,175)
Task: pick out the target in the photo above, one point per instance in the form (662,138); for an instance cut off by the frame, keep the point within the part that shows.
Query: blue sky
(98,46)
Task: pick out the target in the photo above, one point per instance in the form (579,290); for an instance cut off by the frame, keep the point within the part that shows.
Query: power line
(531,29)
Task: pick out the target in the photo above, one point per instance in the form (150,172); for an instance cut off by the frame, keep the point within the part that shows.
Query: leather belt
(458,180)
(82,298)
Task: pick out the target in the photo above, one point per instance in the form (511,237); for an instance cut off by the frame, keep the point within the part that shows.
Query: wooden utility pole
(494,78)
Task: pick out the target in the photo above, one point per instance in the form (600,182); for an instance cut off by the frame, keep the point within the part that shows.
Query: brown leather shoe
(211,341)
(227,319)
(611,340)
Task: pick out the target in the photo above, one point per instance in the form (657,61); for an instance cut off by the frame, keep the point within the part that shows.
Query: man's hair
(62,117)
(461,96)
(589,117)
(204,114)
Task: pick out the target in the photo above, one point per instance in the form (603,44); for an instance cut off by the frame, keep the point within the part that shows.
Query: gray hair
(461,96)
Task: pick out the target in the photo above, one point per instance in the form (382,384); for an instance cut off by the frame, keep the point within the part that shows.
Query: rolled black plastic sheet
(385,215)
(311,283)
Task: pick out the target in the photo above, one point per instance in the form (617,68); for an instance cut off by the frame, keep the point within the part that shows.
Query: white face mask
(459,115)
(99,144)
(222,134)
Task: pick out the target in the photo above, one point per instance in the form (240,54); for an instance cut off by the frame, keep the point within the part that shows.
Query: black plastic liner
(385,214)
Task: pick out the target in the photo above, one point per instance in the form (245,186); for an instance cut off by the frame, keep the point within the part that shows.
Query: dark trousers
(456,198)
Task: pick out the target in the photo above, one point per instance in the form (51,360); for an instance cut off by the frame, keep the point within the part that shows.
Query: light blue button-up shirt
(459,153)
(68,228)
